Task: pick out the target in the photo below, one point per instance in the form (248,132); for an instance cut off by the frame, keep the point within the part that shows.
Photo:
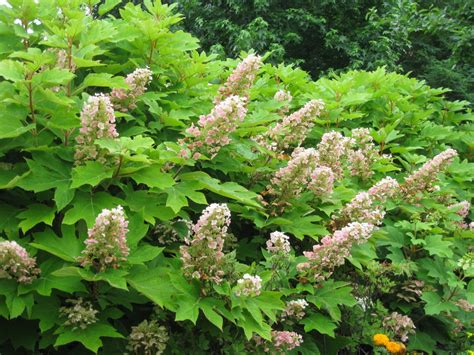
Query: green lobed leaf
(320,323)
(67,247)
(87,206)
(90,337)
(331,295)
(92,173)
(153,177)
(35,214)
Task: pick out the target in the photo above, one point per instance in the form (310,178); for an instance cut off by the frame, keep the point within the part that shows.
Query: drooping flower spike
(422,179)
(333,250)
(241,79)
(293,129)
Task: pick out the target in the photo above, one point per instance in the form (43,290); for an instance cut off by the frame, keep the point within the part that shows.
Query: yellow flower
(394,347)
(380,339)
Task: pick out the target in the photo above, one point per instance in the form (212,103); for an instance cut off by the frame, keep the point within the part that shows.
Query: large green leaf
(437,246)
(435,304)
(35,214)
(89,337)
(68,247)
(87,206)
(114,277)
(319,322)
(331,295)
(12,70)
(49,172)
(153,284)
(46,282)
(92,173)
(144,253)
(208,306)
(153,177)
(228,189)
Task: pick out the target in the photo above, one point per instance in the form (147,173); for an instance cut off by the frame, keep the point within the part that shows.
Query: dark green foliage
(48,201)
(432,40)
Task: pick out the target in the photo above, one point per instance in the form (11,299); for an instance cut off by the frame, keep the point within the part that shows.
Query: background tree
(433,40)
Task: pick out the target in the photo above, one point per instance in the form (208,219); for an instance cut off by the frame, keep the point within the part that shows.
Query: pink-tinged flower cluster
(399,325)
(361,208)
(241,79)
(302,172)
(249,286)
(333,250)
(384,189)
(295,309)
(97,121)
(283,341)
(15,263)
(79,315)
(126,99)
(422,180)
(283,96)
(366,206)
(293,129)
(202,255)
(363,154)
(292,179)
(462,210)
(332,148)
(279,243)
(322,181)
(106,244)
(214,129)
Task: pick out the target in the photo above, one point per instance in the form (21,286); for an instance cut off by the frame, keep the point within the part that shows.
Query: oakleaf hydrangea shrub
(155,199)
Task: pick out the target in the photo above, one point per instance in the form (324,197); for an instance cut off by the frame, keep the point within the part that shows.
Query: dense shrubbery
(157,199)
(431,39)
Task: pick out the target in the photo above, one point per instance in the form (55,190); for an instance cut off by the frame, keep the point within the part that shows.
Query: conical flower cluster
(422,179)
(333,250)
(97,121)
(203,256)
(291,180)
(241,79)
(366,207)
(363,154)
(15,263)
(125,99)
(106,244)
(332,148)
(293,129)
(214,129)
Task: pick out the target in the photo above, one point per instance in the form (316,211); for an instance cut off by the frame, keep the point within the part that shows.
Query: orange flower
(380,339)
(395,348)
